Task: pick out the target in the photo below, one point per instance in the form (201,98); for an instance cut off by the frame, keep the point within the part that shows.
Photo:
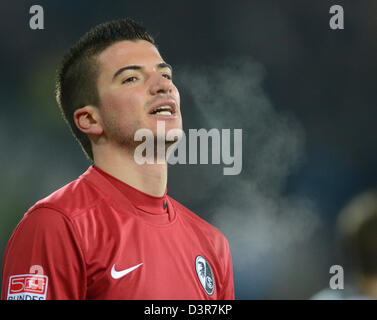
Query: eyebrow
(161,65)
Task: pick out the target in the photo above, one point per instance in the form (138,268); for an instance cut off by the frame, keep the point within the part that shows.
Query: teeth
(164,110)
(168,113)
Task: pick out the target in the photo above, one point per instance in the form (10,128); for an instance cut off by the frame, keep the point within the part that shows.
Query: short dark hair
(76,79)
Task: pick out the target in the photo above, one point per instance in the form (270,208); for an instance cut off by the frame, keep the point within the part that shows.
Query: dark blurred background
(304,94)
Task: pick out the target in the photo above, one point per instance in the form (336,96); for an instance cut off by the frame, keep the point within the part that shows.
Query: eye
(167,76)
(130,79)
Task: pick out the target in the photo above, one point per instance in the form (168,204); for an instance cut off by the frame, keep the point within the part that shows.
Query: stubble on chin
(120,137)
(124,138)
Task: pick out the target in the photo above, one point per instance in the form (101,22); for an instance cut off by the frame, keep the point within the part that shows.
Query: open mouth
(163,110)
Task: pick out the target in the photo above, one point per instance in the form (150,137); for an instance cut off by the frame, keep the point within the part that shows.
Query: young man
(114,233)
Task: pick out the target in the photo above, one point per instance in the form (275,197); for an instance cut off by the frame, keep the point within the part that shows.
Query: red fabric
(96,223)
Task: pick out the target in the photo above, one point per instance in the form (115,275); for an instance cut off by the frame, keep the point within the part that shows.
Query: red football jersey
(99,238)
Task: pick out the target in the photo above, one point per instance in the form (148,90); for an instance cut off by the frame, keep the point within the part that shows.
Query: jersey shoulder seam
(50,205)
(72,225)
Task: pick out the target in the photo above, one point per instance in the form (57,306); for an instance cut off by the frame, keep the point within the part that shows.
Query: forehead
(122,53)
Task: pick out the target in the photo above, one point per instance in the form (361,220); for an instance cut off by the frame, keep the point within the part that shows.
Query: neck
(148,178)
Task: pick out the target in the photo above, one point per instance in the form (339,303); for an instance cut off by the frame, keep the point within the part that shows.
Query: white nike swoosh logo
(119,274)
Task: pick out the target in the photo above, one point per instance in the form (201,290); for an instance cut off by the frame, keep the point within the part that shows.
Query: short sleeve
(43,259)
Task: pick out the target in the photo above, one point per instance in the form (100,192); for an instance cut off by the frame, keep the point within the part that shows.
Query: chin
(172,126)
(166,125)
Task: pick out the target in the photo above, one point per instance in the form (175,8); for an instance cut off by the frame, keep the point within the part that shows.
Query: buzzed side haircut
(76,79)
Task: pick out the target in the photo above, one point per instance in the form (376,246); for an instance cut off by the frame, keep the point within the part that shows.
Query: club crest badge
(205,275)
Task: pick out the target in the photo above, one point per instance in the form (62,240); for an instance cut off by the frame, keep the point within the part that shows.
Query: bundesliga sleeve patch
(27,287)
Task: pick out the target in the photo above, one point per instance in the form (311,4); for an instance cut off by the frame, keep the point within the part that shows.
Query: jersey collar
(126,199)
(141,200)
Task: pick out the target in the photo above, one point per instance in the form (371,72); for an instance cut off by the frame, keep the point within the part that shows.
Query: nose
(160,85)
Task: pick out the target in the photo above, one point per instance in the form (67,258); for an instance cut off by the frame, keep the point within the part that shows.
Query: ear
(88,120)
